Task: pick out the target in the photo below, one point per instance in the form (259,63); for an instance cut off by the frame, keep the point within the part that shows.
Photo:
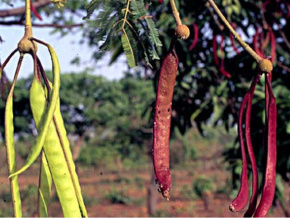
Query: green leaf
(109,38)
(138,9)
(153,33)
(129,47)
(153,53)
(91,7)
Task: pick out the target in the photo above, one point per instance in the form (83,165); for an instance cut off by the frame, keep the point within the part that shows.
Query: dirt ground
(124,194)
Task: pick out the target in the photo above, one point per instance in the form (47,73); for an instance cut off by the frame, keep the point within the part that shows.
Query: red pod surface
(273,46)
(257,47)
(215,56)
(162,120)
(270,174)
(241,200)
(253,202)
(36,14)
(195,40)
(233,44)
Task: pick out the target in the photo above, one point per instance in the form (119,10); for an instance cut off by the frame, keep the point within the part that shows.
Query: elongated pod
(62,135)
(253,202)
(10,148)
(48,115)
(241,200)
(270,174)
(44,189)
(60,128)
(162,120)
(54,154)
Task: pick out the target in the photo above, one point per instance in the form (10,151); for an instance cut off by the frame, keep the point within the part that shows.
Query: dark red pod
(215,56)
(195,40)
(214,48)
(34,11)
(253,202)
(242,198)
(273,46)
(233,44)
(256,45)
(270,174)
(162,121)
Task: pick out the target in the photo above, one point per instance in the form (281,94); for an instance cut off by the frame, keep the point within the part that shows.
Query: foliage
(118,197)
(202,185)
(139,36)
(111,114)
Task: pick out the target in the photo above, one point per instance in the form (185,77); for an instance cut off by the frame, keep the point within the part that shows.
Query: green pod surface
(10,150)
(54,154)
(59,124)
(48,115)
(62,134)
(44,189)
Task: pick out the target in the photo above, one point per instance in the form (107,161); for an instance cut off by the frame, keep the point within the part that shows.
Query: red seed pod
(226,73)
(270,174)
(215,56)
(195,40)
(242,198)
(254,197)
(273,46)
(233,44)
(255,44)
(34,11)
(162,121)
(214,48)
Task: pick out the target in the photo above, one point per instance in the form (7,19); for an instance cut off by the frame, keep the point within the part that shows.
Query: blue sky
(66,47)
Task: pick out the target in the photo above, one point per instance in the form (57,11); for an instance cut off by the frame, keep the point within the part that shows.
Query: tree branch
(54,25)
(21,10)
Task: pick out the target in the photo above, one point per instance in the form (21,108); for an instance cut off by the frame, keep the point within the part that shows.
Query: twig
(283,66)
(220,26)
(175,13)
(284,38)
(27,13)
(68,26)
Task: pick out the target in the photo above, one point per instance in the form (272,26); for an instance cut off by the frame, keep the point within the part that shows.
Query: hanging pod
(162,121)
(10,147)
(270,174)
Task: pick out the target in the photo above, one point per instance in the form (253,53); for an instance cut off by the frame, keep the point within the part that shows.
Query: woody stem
(175,13)
(27,13)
